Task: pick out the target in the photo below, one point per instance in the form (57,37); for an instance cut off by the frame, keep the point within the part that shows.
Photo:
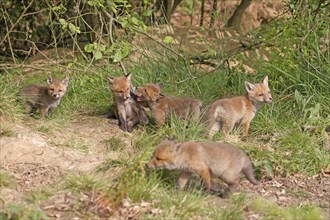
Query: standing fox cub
(162,106)
(225,113)
(206,159)
(44,98)
(128,112)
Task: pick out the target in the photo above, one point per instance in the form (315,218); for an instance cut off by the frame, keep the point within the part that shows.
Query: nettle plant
(113,16)
(108,26)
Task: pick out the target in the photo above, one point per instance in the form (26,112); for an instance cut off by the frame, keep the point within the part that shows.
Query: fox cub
(162,106)
(225,113)
(128,112)
(44,98)
(206,159)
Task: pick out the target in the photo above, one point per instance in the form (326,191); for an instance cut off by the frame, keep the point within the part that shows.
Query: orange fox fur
(127,111)
(205,159)
(225,113)
(162,106)
(44,98)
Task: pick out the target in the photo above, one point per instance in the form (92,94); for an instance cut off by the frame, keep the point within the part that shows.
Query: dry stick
(42,67)
(18,20)
(10,45)
(231,53)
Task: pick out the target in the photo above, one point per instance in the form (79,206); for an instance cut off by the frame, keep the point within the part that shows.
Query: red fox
(206,159)
(44,98)
(162,106)
(225,113)
(127,111)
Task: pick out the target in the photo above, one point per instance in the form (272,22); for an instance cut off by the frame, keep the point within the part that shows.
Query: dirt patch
(36,159)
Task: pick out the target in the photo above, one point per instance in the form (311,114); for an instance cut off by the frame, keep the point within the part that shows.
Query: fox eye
(60,90)
(51,89)
(157,158)
(260,94)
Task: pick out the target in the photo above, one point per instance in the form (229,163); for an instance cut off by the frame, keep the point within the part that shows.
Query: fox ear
(249,86)
(49,80)
(161,85)
(172,138)
(65,81)
(129,76)
(151,94)
(110,79)
(265,81)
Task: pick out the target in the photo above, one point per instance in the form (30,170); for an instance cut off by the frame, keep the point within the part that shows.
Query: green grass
(114,144)
(270,210)
(37,196)
(300,86)
(6,180)
(17,211)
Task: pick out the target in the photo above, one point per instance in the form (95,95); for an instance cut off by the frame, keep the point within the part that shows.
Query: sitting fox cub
(127,111)
(44,98)
(225,113)
(205,159)
(162,106)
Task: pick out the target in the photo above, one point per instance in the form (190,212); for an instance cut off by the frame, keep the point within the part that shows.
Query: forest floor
(39,154)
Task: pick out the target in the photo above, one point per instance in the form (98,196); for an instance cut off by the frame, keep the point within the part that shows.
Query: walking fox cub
(225,113)
(162,106)
(128,112)
(44,98)
(206,159)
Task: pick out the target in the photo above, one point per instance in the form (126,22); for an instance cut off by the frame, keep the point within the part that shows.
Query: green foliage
(299,68)
(9,107)
(272,211)
(14,211)
(37,196)
(114,144)
(85,183)
(6,180)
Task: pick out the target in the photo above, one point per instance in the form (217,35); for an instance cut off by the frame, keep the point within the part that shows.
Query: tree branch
(17,21)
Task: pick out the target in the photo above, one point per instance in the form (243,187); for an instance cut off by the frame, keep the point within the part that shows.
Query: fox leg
(143,116)
(160,118)
(214,129)
(44,111)
(183,179)
(227,127)
(122,119)
(246,123)
(196,113)
(131,124)
(206,175)
(230,189)
(29,108)
(246,126)
(232,180)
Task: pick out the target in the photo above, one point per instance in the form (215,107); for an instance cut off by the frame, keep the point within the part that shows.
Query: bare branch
(17,21)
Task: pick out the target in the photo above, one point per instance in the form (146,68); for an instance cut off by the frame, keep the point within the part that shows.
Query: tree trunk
(213,13)
(235,20)
(202,13)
